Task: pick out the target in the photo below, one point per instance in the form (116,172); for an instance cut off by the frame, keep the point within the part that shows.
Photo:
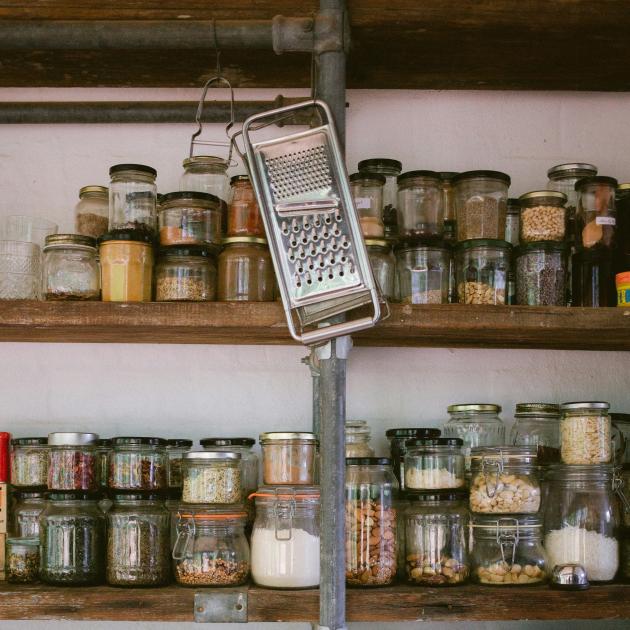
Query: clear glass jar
(102,448)
(190,218)
(367,193)
(285,539)
(138,542)
(622,480)
(509,551)
(482,268)
(91,214)
(29,462)
(25,513)
(383,266)
(29,229)
(20,271)
(581,519)
(133,198)
(448,202)
(512,221)
(538,425)
(249,459)
(390,169)
(436,464)
(371,526)
(138,464)
(596,215)
(585,433)
(211,548)
(244,217)
(245,271)
(541,274)
(71,271)
(543,216)
(436,529)
(358,435)
(593,280)
(398,439)
(206,174)
(621,422)
(289,458)
(622,203)
(73,541)
(175,451)
(72,461)
(420,207)
(22,560)
(185,274)
(423,274)
(505,480)
(212,477)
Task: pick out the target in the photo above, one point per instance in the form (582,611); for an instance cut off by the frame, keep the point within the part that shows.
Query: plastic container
(436,464)
(133,198)
(423,274)
(190,218)
(289,458)
(22,560)
(543,216)
(244,217)
(623,288)
(398,439)
(26,512)
(29,463)
(541,274)
(20,271)
(185,274)
(596,215)
(72,462)
(383,266)
(367,193)
(245,271)
(420,207)
(212,477)
(19,227)
(138,464)
(390,169)
(358,435)
(206,174)
(585,433)
(538,425)
(91,214)
(175,450)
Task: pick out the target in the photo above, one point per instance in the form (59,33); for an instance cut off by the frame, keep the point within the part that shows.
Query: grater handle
(283,111)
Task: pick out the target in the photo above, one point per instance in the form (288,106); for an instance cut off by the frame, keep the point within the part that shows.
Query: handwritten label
(362,203)
(605,221)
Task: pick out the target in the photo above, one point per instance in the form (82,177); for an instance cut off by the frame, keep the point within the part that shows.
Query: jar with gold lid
(244,218)
(245,270)
(91,214)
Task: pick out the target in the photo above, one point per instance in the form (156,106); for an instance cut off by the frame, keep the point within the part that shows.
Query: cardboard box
(4,504)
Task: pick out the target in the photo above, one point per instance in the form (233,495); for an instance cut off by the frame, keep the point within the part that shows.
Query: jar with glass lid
(29,462)
(420,207)
(390,170)
(543,216)
(25,513)
(285,539)
(185,274)
(133,198)
(541,274)
(398,439)
(596,214)
(206,174)
(212,477)
(482,269)
(289,458)
(538,425)
(138,464)
(448,201)
(190,218)
(358,436)
(371,523)
(244,217)
(512,221)
(436,464)
(175,450)
(367,193)
(383,266)
(423,274)
(245,271)
(72,461)
(22,560)
(585,433)
(91,214)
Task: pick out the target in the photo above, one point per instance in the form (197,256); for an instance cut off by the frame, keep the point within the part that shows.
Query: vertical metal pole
(313,364)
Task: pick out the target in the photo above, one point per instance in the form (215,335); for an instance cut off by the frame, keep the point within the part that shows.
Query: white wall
(202,390)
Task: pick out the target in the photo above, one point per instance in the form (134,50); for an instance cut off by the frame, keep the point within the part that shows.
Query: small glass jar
(585,433)
(71,271)
(383,266)
(436,464)
(190,218)
(102,448)
(138,542)
(138,464)
(73,541)
(390,169)
(621,422)
(206,174)
(541,274)
(436,529)
(20,270)
(448,201)
(371,526)
(367,193)
(175,451)
(133,198)
(398,439)
(91,214)
(244,217)
(508,551)
(358,435)
(72,461)
(211,548)
(245,271)
(289,458)
(25,513)
(420,207)
(538,425)
(212,477)
(596,215)
(512,221)
(482,268)
(22,560)
(423,274)
(185,274)
(543,216)
(29,462)
(285,539)
(593,280)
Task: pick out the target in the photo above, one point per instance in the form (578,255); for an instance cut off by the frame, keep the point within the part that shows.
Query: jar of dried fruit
(289,458)
(138,464)
(91,214)
(596,215)
(367,193)
(72,461)
(185,274)
(585,433)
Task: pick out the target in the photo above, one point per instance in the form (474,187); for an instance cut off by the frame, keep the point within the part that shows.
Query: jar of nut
(585,433)
(543,216)
(436,464)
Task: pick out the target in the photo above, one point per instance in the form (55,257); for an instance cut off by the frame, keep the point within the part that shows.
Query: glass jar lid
(92,188)
(482,174)
(244,239)
(368,461)
(64,240)
(23,542)
(507,454)
(492,522)
(597,179)
(237,441)
(442,441)
(410,175)
(571,170)
(297,435)
(179,443)
(138,441)
(593,404)
(142,168)
(558,198)
(205,160)
(368,177)
(537,409)
(484,242)
(476,407)
(29,441)
(419,433)
(72,439)
(385,166)
(212,455)
(404,246)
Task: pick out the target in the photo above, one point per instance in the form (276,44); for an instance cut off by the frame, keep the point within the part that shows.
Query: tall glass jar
(133,198)
(423,274)
(541,274)
(25,514)
(371,535)
(212,477)
(206,174)
(512,221)
(22,560)
(383,266)
(622,249)
(420,207)
(358,439)
(448,201)
(585,433)
(367,193)
(72,462)
(482,268)
(185,274)
(390,169)
(244,217)
(175,450)
(398,439)
(138,464)
(538,425)
(593,280)
(436,464)
(190,218)
(91,214)
(543,216)
(29,463)
(596,215)
(289,458)
(245,271)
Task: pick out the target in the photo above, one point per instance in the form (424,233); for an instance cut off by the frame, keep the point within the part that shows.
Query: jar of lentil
(357,435)
(72,461)
(244,217)
(420,207)
(289,458)
(398,439)
(29,462)
(482,268)
(543,216)
(436,464)
(596,215)
(138,464)
(512,221)
(541,274)
(206,174)
(389,169)
(538,425)
(25,513)
(423,274)
(212,477)
(190,218)
(91,214)
(448,201)
(185,274)
(22,560)
(175,451)
(245,271)
(138,542)
(585,433)
(383,266)
(102,448)
(367,193)
(132,198)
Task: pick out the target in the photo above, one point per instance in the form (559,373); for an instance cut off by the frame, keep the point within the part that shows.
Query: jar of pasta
(585,433)
(289,458)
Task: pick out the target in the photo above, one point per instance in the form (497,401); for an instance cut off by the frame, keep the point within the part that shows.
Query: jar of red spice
(244,218)
(72,461)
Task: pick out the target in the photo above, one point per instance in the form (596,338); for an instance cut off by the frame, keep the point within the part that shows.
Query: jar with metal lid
(358,435)
(482,268)
(212,477)
(102,448)
(185,274)
(596,215)
(285,539)
(448,202)
(249,459)
(289,458)
(397,445)
(512,221)
(593,280)
(133,198)
(29,462)
(245,271)
(138,464)
(244,217)
(20,270)
(585,433)
(581,519)
(505,480)
(175,451)
(138,542)
(370,517)
(423,274)
(25,513)
(420,207)
(211,548)
(436,464)
(206,174)
(541,274)
(508,551)
(436,529)
(22,560)
(367,194)
(91,214)
(538,425)
(389,169)
(190,218)
(383,266)
(73,541)
(72,461)
(543,216)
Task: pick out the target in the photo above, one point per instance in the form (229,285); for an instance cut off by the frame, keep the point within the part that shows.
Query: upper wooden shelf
(433,44)
(263,323)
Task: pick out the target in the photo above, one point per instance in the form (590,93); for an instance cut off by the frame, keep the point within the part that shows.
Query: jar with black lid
(436,464)
(448,201)
(29,463)
(133,198)
(102,448)
(185,274)
(543,216)
(383,265)
(420,207)
(367,194)
(397,444)
(390,169)
(175,450)
(512,221)
(190,218)
(138,464)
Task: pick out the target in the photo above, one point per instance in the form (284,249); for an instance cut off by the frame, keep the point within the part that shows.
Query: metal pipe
(313,364)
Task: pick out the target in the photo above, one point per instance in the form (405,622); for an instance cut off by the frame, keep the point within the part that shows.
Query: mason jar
(367,194)
(138,464)
(206,174)
(29,463)
(543,216)
(22,560)
(25,513)
(389,169)
(72,462)
(212,477)
(357,435)
(185,274)
(244,217)
(541,274)
(289,458)
(132,198)
(423,274)
(398,439)
(420,207)
(383,266)
(190,218)
(512,221)
(596,215)
(436,464)
(538,425)
(91,214)
(245,271)
(448,201)
(482,268)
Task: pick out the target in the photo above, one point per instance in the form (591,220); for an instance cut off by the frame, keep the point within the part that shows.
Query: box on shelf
(4,503)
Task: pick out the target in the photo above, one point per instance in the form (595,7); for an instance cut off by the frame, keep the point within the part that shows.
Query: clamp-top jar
(133,198)
(436,464)
(538,425)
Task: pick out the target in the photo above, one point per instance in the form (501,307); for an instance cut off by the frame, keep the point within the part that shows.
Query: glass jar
(206,174)
(482,268)
(423,274)
(138,542)
(29,462)
(185,274)
(436,464)
(138,464)
(505,480)
(448,202)
(245,271)
(541,274)
(20,271)
(420,207)
(249,459)
(72,461)
(397,445)
(71,271)
(244,217)
(367,193)
(102,448)
(190,218)
(211,548)
(358,435)
(543,216)
(126,267)
(436,527)
(390,169)
(22,560)
(585,433)
(288,458)
(512,221)
(371,532)
(481,204)
(593,281)
(581,519)
(73,541)
(538,425)
(383,266)
(596,215)
(621,422)
(133,198)
(91,214)
(508,551)
(622,249)
(25,513)
(212,477)
(175,451)
(285,538)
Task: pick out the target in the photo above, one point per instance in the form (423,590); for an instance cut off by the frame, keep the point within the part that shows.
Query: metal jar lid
(368,461)
(600,180)
(424,496)
(410,175)
(244,239)
(593,404)
(236,441)
(563,170)
(472,243)
(385,166)
(297,435)
(29,441)
(376,242)
(537,409)
(522,454)
(190,196)
(624,186)
(63,240)
(213,455)
(410,432)
(513,206)
(447,176)
(179,443)
(142,168)
(560,197)
(103,190)
(104,443)
(441,441)
(138,441)
(72,439)
(370,176)
(206,160)
(480,407)
(483,174)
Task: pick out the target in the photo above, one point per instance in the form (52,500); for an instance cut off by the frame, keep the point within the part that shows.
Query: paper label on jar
(605,221)
(362,203)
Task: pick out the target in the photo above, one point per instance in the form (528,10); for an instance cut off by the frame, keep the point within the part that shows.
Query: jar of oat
(420,207)
(185,274)
(423,274)
(543,216)
(371,537)
(505,480)
(398,439)
(436,464)
(29,463)
(585,433)
(212,477)
(190,218)
(91,214)
(538,425)
(383,265)
(436,531)
(390,169)
(289,458)
(367,194)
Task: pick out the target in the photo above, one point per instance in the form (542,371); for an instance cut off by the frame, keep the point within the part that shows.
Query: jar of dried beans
(389,169)
(541,274)
(138,464)
(72,461)
(596,215)
(367,193)
(543,216)
(22,560)
(289,458)
(185,274)
(91,214)
(420,207)
(212,477)
(436,464)
(29,462)
(133,198)
(190,218)
(175,450)
(25,514)
(423,274)
(398,439)
(585,433)
(244,217)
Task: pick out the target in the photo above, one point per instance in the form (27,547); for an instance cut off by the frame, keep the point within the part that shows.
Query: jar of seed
(29,462)
(138,464)
(212,477)
(22,560)
(185,274)
(543,216)
(541,274)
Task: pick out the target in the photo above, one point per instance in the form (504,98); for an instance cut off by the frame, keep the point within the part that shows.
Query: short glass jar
(190,218)
(244,217)
(185,274)
(29,463)
(448,201)
(138,464)
(71,271)
(102,448)
(398,439)
(22,560)
(206,174)
(175,451)
(585,433)
(132,198)
(212,477)
(289,458)
(383,266)
(245,271)
(367,193)
(72,462)
(423,274)
(20,270)
(596,215)
(482,268)
(91,214)
(538,425)
(543,216)
(512,221)
(390,169)
(420,207)
(541,274)
(25,513)
(357,433)
(436,464)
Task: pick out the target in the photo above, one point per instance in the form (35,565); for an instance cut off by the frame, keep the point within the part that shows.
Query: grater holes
(327,220)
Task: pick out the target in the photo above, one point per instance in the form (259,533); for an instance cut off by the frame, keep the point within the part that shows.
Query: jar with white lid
(538,425)
(367,193)
(91,214)
(390,169)
(398,439)
(133,198)
(29,463)
(212,477)
(72,461)
(357,433)
(436,464)
(289,458)
(585,433)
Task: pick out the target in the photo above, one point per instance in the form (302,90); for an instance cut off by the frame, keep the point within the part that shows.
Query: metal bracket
(329,31)
(343,345)
(332,31)
(219,606)
(292,34)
